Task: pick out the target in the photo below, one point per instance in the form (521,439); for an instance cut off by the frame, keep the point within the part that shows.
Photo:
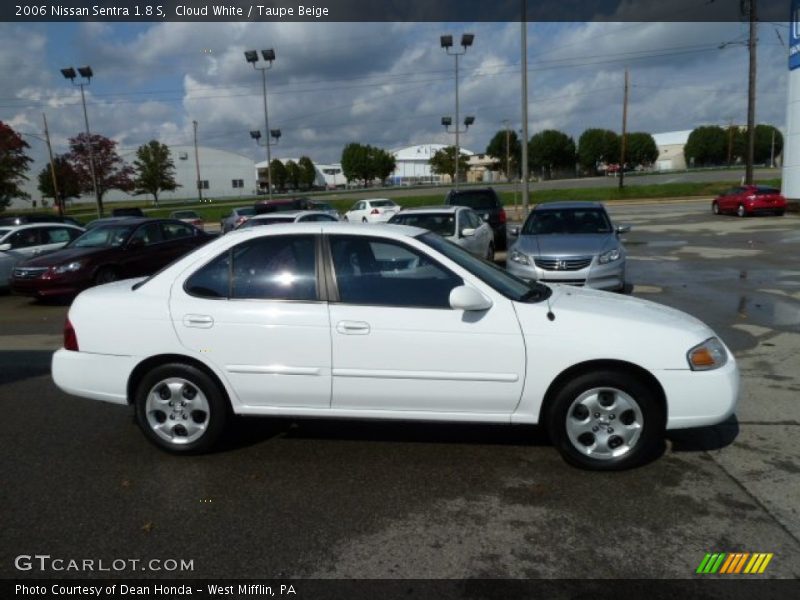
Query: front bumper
(610,276)
(46,288)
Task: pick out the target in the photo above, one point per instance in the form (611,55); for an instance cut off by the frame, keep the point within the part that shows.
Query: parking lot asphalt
(315,498)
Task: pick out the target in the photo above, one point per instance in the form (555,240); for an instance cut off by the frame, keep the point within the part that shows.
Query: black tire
(105,275)
(715,208)
(740,211)
(490,252)
(779,213)
(187,376)
(601,383)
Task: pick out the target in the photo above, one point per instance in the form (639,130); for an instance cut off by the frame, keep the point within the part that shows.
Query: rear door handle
(200,321)
(353,327)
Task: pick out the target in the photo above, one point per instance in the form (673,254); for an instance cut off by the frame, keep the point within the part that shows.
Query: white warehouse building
(413,164)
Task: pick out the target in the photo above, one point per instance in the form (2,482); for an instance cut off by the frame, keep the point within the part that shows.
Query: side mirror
(468,298)
(514,231)
(136,244)
(5,247)
(467,232)
(623,229)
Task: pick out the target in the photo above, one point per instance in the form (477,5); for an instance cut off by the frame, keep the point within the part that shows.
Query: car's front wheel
(715,208)
(606,420)
(180,408)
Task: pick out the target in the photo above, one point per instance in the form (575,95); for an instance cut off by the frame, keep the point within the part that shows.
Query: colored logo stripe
(734,563)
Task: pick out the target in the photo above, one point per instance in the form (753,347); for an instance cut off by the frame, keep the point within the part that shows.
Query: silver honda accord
(571,243)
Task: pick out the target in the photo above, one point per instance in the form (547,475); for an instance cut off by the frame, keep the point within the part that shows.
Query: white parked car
(459,224)
(390,322)
(376,210)
(288,216)
(21,242)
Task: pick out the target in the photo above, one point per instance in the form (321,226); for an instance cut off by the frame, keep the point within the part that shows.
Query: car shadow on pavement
(703,439)
(16,365)
(245,432)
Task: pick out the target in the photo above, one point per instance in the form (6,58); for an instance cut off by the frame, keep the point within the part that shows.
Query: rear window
(442,223)
(379,203)
(476,200)
(246,212)
(766,191)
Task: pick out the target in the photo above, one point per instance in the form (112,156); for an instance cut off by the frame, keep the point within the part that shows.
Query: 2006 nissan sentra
(389,322)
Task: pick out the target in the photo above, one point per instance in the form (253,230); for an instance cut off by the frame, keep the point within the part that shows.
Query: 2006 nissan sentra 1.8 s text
(389,322)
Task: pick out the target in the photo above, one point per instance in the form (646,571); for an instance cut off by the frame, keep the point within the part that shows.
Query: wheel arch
(148,364)
(602,365)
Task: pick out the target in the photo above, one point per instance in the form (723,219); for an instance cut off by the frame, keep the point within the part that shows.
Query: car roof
(562,204)
(439,208)
(340,227)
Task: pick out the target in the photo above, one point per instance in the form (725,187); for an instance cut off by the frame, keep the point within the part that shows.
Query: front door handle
(200,321)
(353,327)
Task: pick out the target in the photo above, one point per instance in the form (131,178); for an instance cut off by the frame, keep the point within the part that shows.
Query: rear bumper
(109,375)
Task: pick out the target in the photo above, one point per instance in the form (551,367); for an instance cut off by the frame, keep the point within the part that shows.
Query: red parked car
(748,200)
(129,247)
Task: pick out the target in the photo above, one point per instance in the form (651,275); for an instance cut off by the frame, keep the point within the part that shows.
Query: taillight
(502,216)
(70,338)
(375,211)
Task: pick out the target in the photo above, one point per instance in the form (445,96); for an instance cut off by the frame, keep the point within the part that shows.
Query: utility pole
(730,141)
(751,94)
(524,44)
(772,151)
(197,163)
(624,133)
(508,152)
(59,204)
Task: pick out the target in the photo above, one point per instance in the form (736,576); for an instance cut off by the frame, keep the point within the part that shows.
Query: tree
(356,163)
(110,170)
(278,173)
(384,163)
(443,162)
(65,176)
(13,165)
(763,145)
(497,149)
(155,171)
(706,146)
(292,174)
(640,149)
(551,150)
(596,146)
(308,172)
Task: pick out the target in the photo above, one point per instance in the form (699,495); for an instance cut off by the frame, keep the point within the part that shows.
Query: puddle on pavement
(657,243)
(773,312)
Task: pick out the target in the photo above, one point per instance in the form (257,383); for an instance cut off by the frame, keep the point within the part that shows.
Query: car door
(144,251)
(399,346)
(25,244)
(255,312)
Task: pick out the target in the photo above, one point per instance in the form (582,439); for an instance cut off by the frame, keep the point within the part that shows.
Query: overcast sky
(386,84)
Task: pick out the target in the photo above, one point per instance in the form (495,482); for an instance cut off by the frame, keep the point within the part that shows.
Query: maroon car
(748,200)
(130,247)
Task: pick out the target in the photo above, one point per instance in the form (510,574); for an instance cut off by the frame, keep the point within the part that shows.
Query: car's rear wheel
(606,420)
(180,408)
(715,208)
(740,211)
(779,213)
(105,275)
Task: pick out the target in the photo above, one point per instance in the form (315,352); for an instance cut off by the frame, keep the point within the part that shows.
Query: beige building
(670,150)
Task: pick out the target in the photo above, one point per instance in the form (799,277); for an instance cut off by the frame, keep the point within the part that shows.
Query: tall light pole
(447,122)
(268,55)
(524,46)
(274,134)
(86,78)
(446,42)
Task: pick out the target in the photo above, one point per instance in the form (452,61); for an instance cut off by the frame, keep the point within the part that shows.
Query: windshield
(567,221)
(3,232)
(475,200)
(104,236)
(259,222)
(379,203)
(443,224)
(510,286)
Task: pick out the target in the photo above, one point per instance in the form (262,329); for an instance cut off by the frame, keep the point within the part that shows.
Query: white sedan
(459,224)
(390,322)
(376,210)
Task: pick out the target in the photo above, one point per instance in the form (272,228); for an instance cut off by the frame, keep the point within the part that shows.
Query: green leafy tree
(279,174)
(308,172)
(111,172)
(497,149)
(14,164)
(763,143)
(597,146)
(384,163)
(293,174)
(640,149)
(551,150)
(65,176)
(706,146)
(443,162)
(356,163)
(155,170)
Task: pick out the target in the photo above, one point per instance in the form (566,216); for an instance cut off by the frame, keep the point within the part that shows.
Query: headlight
(709,355)
(68,268)
(519,257)
(610,256)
